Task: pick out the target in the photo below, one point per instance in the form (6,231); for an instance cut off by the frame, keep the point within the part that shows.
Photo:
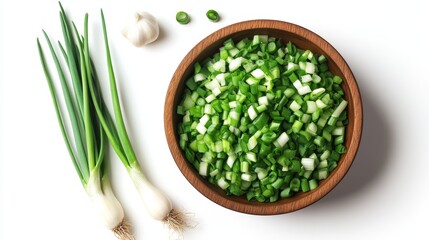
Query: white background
(385,195)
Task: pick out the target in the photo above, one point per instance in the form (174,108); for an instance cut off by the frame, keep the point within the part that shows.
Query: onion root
(177,221)
(123,231)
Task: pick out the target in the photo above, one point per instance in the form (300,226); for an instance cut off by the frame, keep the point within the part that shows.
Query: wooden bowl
(303,39)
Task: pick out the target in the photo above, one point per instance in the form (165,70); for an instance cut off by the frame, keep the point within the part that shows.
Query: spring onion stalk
(156,202)
(86,140)
(263,118)
(183,17)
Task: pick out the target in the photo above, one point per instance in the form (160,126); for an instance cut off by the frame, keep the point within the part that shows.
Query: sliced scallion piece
(213,15)
(182,17)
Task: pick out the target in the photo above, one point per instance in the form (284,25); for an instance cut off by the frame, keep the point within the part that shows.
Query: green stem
(86,99)
(59,116)
(106,123)
(123,135)
(82,160)
(71,53)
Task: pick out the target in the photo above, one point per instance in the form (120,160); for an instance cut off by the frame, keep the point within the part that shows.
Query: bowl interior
(303,39)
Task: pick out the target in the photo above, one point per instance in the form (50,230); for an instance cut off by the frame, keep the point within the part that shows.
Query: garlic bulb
(142,30)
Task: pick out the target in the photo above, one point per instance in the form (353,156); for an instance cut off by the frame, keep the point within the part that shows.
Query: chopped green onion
(308,164)
(266,110)
(281,140)
(313,184)
(295,183)
(213,15)
(304,185)
(182,17)
(340,108)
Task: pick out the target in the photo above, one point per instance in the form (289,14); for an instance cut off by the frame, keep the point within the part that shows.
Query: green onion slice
(213,15)
(182,17)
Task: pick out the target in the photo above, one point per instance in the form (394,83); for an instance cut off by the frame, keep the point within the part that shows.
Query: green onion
(157,203)
(182,17)
(339,109)
(213,15)
(269,113)
(304,185)
(86,142)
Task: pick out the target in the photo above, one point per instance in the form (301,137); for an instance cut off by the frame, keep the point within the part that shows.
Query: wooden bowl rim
(301,200)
